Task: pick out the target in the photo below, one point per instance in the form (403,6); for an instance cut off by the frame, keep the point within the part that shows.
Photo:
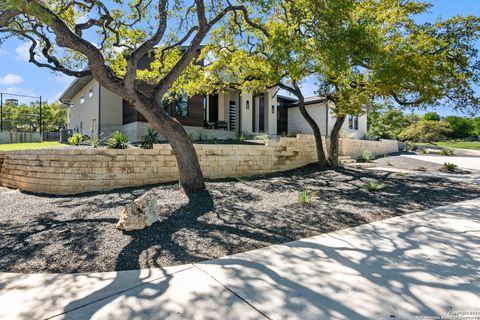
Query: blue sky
(17,75)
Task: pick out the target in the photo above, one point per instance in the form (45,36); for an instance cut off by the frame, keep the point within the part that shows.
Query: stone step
(344,158)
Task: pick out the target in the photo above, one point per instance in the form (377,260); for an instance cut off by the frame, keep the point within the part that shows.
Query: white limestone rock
(140,214)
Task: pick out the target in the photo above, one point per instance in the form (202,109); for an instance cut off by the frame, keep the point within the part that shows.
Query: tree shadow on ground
(396,269)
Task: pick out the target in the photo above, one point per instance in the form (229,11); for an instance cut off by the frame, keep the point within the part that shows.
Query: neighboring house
(355,126)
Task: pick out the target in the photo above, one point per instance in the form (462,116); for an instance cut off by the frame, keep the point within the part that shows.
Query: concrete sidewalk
(426,263)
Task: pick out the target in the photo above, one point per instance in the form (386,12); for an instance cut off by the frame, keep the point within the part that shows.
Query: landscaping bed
(77,233)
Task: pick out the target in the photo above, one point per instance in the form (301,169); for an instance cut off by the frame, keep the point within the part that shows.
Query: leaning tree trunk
(189,170)
(334,141)
(322,159)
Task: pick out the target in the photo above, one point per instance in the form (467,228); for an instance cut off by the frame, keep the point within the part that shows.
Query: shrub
(373,185)
(426,131)
(149,139)
(446,152)
(94,143)
(304,197)
(75,139)
(449,167)
(117,140)
(242,137)
(365,156)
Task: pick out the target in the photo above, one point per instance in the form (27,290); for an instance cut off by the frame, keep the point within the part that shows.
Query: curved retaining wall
(77,170)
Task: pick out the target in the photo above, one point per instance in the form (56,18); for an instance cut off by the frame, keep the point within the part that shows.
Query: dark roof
(309,101)
(289,99)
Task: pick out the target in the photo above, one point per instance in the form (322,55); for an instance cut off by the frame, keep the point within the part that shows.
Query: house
(355,126)
(94,110)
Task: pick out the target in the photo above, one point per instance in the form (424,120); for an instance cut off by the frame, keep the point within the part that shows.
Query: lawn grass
(473,145)
(30,145)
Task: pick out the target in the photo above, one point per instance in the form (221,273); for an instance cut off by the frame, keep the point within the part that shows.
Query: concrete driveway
(469,163)
(421,264)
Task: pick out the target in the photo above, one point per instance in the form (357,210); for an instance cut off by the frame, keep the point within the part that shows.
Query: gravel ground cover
(77,233)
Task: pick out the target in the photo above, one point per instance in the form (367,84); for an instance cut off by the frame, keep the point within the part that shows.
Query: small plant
(117,140)
(449,167)
(149,139)
(424,151)
(373,185)
(411,147)
(304,197)
(365,156)
(262,137)
(421,169)
(94,142)
(400,174)
(242,137)
(446,152)
(75,139)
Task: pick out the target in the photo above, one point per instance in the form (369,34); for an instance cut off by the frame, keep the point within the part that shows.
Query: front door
(213,108)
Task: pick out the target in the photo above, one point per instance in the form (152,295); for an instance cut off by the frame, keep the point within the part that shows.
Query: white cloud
(21,91)
(10,79)
(22,51)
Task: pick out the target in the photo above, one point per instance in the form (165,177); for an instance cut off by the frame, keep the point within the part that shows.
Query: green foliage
(446,152)
(373,186)
(25,117)
(426,131)
(117,140)
(461,127)
(365,156)
(149,139)
(94,143)
(242,137)
(75,139)
(388,122)
(449,167)
(304,197)
(431,116)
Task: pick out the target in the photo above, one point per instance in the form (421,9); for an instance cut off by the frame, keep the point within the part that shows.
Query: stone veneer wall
(77,170)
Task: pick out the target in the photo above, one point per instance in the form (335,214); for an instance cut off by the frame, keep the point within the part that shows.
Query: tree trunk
(322,159)
(190,172)
(334,141)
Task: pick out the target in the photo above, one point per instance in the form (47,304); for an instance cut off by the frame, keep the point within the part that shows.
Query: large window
(181,105)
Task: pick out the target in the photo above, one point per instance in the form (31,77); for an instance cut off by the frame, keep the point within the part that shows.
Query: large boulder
(139,214)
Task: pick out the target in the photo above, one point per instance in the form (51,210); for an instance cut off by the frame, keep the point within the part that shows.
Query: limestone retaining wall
(76,170)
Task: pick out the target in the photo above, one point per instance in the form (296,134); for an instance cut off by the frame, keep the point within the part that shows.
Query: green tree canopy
(431,116)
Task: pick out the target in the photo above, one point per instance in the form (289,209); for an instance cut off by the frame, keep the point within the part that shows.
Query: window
(90,93)
(353,122)
(82,99)
(181,105)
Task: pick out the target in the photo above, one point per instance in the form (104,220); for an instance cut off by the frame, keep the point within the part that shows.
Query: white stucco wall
(271,113)
(318,111)
(111,113)
(247,114)
(81,116)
